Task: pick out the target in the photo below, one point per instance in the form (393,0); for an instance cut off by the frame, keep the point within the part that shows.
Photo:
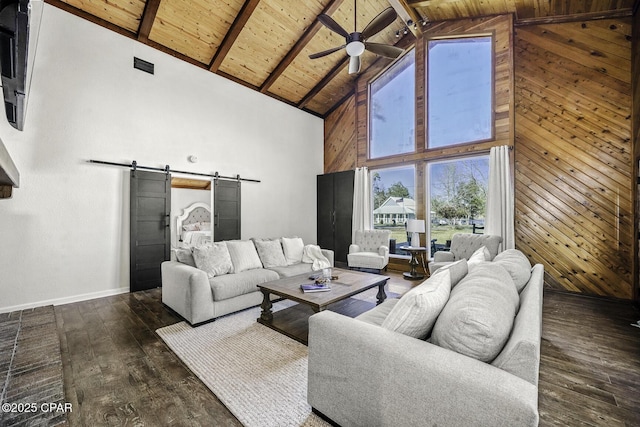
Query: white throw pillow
(213,259)
(243,255)
(418,309)
(293,248)
(480,255)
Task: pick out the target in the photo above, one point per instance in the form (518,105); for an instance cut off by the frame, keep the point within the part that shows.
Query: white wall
(64,235)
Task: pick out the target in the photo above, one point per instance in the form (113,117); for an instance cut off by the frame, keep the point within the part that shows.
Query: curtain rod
(134,165)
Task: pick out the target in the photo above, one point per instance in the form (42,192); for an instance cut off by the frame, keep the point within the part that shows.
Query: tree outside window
(457,195)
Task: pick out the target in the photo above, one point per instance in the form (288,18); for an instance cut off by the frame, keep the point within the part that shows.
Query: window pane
(457,195)
(460,91)
(394,202)
(392,110)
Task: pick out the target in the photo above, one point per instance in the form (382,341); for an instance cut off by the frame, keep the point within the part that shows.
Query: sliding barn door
(226,210)
(150,228)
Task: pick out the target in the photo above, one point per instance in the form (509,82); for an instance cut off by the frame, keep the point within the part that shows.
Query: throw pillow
(518,266)
(477,319)
(214,259)
(243,255)
(185,256)
(270,253)
(191,227)
(480,255)
(293,248)
(418,309)
(458,270)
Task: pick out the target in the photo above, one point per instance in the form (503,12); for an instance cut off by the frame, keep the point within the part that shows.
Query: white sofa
(228,276)
(379,370)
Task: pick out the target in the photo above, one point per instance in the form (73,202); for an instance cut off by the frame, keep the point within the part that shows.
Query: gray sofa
(222,287)
(361,373)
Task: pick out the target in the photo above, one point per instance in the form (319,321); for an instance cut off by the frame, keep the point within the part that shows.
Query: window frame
(427,40)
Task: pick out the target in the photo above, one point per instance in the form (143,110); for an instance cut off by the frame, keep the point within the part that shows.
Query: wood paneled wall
(564,94)
(573,154)
(340,138)
(635,85)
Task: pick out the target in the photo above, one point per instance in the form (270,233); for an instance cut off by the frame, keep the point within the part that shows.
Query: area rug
(31,378)
(258,373)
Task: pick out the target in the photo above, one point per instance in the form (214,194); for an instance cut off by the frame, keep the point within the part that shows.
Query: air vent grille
(143,65)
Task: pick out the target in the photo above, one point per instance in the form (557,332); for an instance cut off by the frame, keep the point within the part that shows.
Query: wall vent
(142,65)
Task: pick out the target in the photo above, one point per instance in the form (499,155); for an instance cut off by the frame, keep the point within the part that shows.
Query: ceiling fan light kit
(356,44)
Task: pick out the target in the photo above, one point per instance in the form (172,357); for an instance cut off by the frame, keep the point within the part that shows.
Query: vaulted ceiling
(265,44)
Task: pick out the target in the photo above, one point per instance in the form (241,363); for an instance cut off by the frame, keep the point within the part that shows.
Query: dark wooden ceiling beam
(299,46)
(589,16)
(232,35)
(322,83)
(148,17)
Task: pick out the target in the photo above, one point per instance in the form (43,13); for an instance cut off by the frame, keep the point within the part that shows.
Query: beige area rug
(258,373)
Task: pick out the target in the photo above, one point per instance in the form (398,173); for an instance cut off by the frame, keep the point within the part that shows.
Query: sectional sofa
(460,349)
(207,282)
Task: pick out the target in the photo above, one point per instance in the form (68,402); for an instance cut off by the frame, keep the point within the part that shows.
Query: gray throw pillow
(213,259)
(458,270)
(418,309)
(477,319)
(518,266)
(270,253)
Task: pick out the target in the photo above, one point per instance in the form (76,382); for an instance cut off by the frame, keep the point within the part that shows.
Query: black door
(325,212)
(226,210)
(335,212)
(343,205)
(150,232)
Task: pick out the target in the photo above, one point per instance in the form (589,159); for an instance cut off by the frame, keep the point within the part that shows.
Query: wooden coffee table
(294,321)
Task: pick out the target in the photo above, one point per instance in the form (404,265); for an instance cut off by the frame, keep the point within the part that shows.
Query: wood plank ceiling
(265,44)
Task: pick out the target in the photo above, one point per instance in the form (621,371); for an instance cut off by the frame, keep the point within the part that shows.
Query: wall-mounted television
(19,28)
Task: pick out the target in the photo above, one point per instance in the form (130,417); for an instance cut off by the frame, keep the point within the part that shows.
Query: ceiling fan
(356,43)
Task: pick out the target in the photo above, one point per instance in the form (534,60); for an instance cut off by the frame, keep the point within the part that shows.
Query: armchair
(463,245)
(370,249)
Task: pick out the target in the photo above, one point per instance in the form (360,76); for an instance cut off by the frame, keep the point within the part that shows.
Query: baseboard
(65,300)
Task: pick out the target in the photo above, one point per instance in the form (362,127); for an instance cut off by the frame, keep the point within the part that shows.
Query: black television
(19,28)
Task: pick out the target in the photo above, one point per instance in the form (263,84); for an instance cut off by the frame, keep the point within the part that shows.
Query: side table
(414,251)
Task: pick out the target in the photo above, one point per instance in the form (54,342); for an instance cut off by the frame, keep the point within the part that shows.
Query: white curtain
(361,202)
(499,219)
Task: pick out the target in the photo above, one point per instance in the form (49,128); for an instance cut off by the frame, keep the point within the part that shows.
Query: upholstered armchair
(463,245)
(370,249)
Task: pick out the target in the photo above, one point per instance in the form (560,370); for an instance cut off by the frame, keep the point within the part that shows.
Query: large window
(459,91)
(392,109)
(457,198)
(394,202)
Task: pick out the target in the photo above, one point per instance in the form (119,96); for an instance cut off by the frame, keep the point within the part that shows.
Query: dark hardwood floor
(117,371)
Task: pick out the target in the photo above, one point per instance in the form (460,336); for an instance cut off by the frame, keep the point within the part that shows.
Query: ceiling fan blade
(385,50)
(328,22)
(326,52)
(379,23)
(354,65)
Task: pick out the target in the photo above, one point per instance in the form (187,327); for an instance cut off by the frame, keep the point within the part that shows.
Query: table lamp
(415,226)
